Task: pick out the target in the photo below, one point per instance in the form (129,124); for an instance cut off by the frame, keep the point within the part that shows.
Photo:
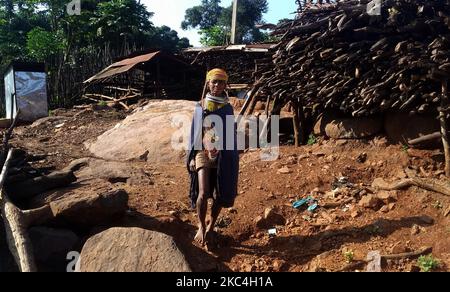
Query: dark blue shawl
(228,160)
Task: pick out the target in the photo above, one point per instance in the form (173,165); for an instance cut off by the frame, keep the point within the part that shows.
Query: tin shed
(26,89)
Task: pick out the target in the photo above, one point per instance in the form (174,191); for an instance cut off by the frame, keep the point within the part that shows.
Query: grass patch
(312,140)
(427,263)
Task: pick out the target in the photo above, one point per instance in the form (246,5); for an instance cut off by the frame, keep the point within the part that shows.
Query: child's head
(217,81)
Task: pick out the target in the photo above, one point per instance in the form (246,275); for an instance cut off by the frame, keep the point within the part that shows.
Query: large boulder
(86,210)
(323,120)
(147,134)
(402,127)
(83,206)
(354,128)
(132,250)
(113,171)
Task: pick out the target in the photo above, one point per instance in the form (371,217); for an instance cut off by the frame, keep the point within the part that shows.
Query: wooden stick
(428,184)
(426,138)
(444,128)
(15,225)
(422,251)
(7,136)
(358,263)
(205,91)
(253,93)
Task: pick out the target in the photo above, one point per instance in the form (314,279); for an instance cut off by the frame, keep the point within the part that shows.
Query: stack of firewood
(338,56)
(239,64)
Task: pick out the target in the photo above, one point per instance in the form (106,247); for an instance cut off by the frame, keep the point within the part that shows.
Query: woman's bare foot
(210,238)
(200,236)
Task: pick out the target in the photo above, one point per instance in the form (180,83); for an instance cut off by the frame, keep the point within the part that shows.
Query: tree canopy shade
(214,21)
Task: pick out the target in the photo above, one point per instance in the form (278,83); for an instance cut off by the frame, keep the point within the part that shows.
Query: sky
(171,13)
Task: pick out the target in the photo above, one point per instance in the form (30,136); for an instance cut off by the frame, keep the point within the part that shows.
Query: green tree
(203,16)
(42,44)
(214,36)
(167,39)
(122,21)
(14,26)
(41,30)
(210,17)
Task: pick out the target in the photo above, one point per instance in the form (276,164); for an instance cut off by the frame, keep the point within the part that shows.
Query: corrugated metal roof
(110,71)
(128,64)
(137,60)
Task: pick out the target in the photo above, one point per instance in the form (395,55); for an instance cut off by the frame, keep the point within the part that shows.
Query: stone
(355,213)
(90,210)
(284,170)
(271,196)
(291,160)
(277,265)
(384,209)
(272,218)
(259,222)
(322,121)
(447,211)
(369,201)
(132,137)
(354,128)
(387,196)
(341,142)
(400,174)
(132,250)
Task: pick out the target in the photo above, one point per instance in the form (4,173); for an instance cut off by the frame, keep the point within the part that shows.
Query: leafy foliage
(427,263)
(214,21)
(41,44)
(41,30)
(312,140)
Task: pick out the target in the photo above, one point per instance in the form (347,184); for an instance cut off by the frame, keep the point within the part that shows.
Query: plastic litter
(273,232)
(310,202)
(299,204)
(313,208)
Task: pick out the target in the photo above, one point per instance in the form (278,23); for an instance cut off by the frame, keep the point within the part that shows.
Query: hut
(25,90)
(157,74)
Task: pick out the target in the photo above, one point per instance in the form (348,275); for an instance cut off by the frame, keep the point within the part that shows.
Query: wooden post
(299,123)
(234,22)
(444,130)
(297,126)
(158,80)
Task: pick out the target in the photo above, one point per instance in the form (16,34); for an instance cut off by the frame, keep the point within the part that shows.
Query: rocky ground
(351,218)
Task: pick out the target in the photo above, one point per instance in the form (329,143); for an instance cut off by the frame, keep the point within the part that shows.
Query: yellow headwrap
(217,74)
